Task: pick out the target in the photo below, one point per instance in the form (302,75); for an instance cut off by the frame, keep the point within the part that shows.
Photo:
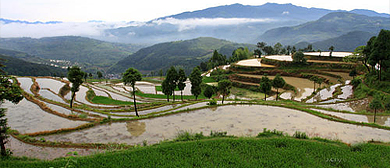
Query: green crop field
(231,152)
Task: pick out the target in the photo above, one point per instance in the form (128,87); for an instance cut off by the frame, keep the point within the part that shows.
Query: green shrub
(212,102)
(188,136)
(269,133)
(300,135)
(218,134)
(356,82)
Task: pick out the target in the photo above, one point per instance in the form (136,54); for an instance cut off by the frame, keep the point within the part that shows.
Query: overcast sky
(145,10)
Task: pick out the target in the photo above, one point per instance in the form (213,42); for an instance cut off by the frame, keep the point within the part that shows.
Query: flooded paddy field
(21,149)
(381,120)
(239,120)
(49,83)
(27,117)
(25,84)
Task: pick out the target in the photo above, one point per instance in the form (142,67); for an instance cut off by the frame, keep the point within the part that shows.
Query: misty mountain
(346,42)
(236,22)
(8,21)
(85,52)
(186,54)
(331,25)
(268,10)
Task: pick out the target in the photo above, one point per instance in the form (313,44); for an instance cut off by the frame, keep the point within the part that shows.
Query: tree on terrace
(131,76)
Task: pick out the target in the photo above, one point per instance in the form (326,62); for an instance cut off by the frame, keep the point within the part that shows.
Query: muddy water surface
(51,96)
(353,106)
(27,117)
(240,120)
(25,84)
(51,84)
(381,120)
(45,153)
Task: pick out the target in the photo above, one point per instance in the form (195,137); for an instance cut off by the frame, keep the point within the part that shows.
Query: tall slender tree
(277,83)
(196,80)
(172,78)
(315,80)
(99,75)
(224,88)
(181,84)
(75,76)
(265,86)
(131,76)
(376,104)
(381,51)
(166,88)
(209,91)
(331,48)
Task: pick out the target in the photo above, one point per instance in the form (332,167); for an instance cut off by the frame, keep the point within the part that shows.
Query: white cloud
(185,24)
(60,29)
(285,13)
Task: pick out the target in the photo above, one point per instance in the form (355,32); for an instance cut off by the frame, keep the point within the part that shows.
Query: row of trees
(278,49)
(172,80)
(218,59)
(375,56)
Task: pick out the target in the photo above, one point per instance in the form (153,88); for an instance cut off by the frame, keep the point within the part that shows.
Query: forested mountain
(346,42)
(85,52)
(331,25)
(186,54)
(15,66)
(236,22)
(270,10)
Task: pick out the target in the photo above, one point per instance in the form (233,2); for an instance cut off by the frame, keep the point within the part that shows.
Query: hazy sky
(145,10)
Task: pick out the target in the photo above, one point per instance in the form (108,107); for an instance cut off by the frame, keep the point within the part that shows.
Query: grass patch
(109,101)
(160,96)
(246,93)
(231,152)
(206,79)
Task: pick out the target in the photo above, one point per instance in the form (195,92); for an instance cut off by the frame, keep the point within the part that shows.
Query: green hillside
(330,26)
(86,52)
(15,66)
(23,56)
(346,42)
(186,54)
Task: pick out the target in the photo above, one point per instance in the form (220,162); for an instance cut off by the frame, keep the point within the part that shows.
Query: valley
(274,85)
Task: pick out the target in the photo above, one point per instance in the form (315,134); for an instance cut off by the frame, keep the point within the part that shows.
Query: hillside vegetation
(86,52)
(329,26)
(346,42)
(15,66)
(186,54)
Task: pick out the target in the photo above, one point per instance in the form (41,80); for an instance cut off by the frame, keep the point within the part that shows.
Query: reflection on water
(381,120)
(27,117)
(240,120)
(136,128)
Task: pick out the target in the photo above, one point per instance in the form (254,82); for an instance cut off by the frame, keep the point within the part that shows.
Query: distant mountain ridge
(268,10)
(329,26)
(8,21)
(189,25)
